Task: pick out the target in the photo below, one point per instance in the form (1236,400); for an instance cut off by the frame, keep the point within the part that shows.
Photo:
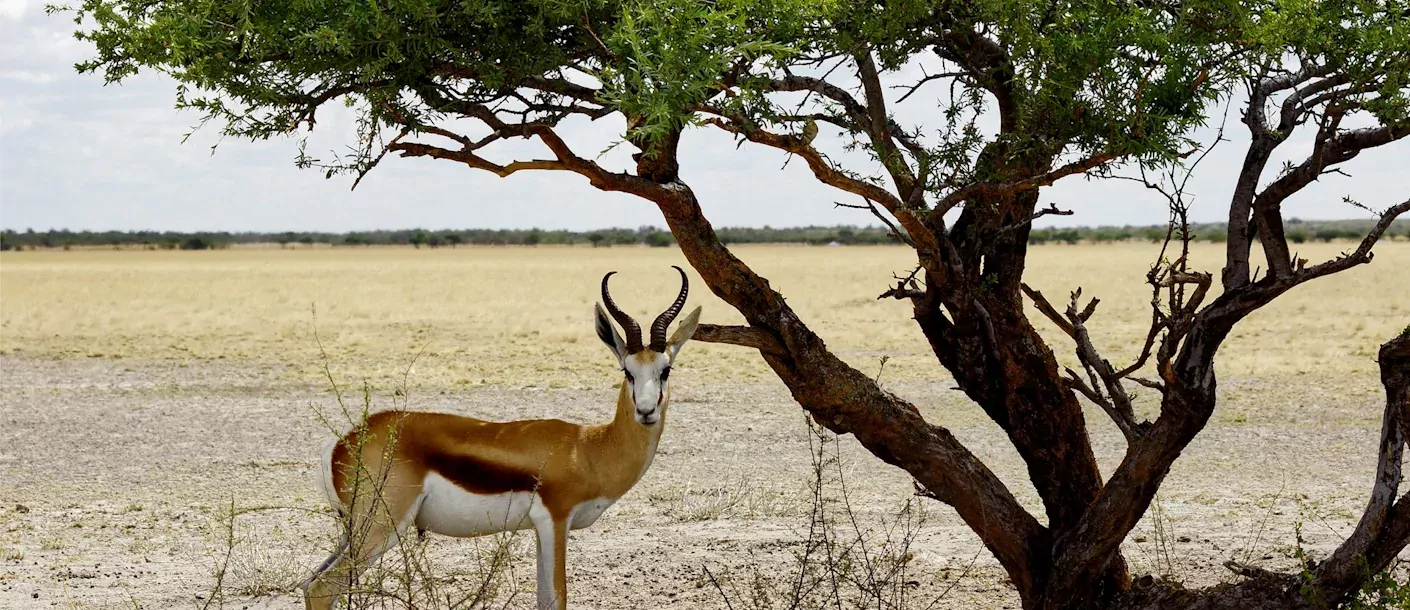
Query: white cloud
(13,9)
(27,77)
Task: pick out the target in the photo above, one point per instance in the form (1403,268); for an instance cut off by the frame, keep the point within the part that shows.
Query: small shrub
(842,562)
(1385,591)
(658,239)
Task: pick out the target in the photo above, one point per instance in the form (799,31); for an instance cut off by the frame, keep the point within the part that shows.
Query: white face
(648,372)
(648,379)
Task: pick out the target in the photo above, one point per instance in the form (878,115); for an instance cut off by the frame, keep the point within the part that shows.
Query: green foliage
(1107,79)
(1087,78)
(675,52)
(1384,591)
(251,64)
(1366,41)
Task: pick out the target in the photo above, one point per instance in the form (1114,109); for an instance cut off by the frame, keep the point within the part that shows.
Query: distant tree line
(648,236)
(1298,231)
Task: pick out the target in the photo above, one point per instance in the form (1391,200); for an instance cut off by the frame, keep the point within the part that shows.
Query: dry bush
(842,561)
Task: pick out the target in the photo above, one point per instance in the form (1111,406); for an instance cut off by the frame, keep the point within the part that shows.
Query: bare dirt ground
(144,395)
(114,476)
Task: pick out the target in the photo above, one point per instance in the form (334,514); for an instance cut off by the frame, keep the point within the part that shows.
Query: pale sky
(78,155)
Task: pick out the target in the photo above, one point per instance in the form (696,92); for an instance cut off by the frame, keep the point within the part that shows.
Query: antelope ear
(609,335)
(684,330)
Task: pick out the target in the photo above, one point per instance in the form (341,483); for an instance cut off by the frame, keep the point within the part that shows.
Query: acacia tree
(1031,92)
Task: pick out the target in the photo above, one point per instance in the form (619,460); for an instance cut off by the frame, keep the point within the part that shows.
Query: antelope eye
(666,372)
(630,379)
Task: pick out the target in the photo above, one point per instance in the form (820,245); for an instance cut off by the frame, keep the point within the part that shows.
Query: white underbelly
(452,511)
(586,514)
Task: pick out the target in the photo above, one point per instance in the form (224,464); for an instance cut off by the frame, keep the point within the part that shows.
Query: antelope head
(647,368)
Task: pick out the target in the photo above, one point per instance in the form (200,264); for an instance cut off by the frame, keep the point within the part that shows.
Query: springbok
(466,477)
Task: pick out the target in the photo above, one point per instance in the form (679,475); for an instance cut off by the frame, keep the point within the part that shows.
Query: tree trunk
(1001,362)
(847,401)
(1384,528)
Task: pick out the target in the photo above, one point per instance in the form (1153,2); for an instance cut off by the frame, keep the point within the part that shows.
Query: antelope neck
(624,426)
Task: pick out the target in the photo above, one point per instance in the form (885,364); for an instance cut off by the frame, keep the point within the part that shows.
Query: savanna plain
(162,416)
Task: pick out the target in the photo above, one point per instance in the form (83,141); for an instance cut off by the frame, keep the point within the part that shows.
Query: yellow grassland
(517,316)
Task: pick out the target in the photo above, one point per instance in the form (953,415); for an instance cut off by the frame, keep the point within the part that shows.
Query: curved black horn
(658,328)
(629,326)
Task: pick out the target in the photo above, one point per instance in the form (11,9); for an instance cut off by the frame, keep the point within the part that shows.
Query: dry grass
(520,317)
(732,496)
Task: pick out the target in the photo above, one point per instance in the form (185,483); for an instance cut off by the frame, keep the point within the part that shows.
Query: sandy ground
(114,474)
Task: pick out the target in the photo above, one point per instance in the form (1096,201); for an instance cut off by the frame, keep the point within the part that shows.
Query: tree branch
(1118,405)
(1187,405)
(1047,309)
(871,207)
(827,174)
(1115,402)
(744,336)
(1264,141)
(416,149)
(988,64)
(911,89)
(1045,179)
(880,132)
(559,86)
(1051,210)
(1362,254)
(858,114)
